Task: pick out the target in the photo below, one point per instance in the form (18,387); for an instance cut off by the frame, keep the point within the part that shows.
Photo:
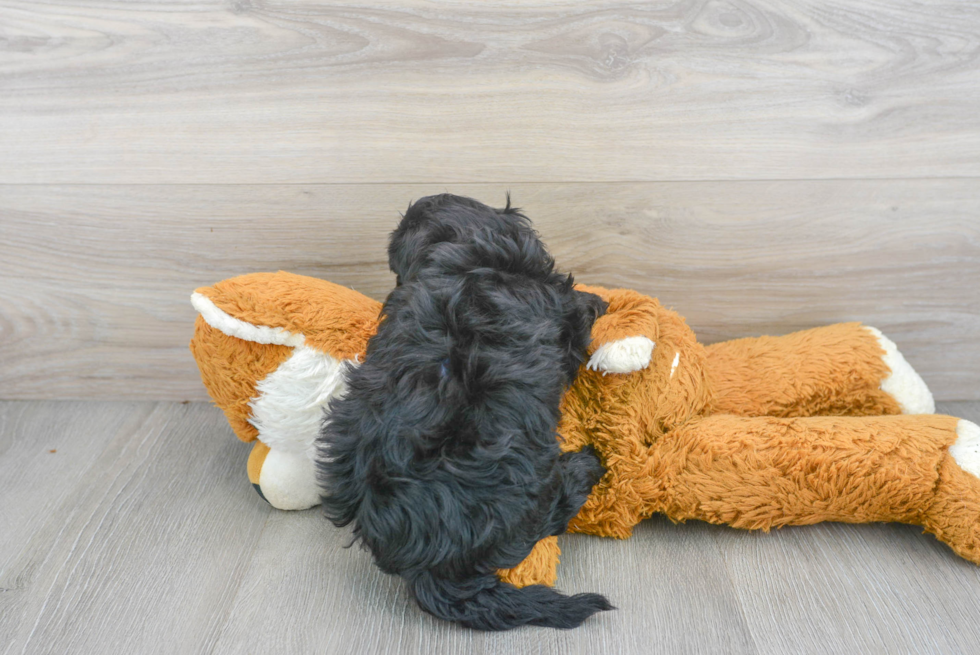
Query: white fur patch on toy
(903,383)
(288,480)
(673,364)
(289,407)
(622,356)
(966,450)
(234,327)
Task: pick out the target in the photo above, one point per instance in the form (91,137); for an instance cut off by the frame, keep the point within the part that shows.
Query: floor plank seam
(441,183)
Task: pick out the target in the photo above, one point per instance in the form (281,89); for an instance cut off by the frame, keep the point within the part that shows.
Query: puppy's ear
(419,229)
(405,241)
(592,305)
(581,310)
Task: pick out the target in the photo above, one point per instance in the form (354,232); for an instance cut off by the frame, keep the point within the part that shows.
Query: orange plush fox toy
(828,424)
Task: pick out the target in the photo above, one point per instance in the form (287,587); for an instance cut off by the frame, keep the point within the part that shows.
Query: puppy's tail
(486,603)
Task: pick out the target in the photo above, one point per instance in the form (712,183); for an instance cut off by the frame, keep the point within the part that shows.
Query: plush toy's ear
(250,325)
(539,567)
(291,310)
(628,314)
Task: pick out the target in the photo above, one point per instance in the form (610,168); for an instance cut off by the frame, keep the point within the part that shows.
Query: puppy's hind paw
(622,356)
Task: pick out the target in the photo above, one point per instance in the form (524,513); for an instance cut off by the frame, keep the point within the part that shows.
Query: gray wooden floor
(130,527)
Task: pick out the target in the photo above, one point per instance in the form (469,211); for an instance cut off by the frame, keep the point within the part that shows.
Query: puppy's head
(443,452)
(448,219)
(445,236)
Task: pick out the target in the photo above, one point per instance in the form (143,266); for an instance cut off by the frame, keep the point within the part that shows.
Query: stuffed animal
(827,424)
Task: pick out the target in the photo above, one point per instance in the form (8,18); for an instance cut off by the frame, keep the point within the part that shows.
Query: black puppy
(443,452)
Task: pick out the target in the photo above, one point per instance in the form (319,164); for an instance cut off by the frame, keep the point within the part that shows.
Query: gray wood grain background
(95,279)
(260,91)
(760,166)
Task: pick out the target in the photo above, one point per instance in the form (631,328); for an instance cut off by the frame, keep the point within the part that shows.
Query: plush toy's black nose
(258,490)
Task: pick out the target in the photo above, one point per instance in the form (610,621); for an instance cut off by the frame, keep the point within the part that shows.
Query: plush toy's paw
(622,356)
(903,383)
(539,567)
(285,479)
(966,450)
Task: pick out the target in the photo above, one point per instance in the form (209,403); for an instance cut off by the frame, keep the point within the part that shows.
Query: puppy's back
(443,453)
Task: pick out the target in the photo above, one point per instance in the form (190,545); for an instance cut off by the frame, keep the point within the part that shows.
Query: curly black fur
(443,452)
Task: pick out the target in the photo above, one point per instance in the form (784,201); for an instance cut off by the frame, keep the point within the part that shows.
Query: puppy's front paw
(585,468)
(622,356)
(581,471)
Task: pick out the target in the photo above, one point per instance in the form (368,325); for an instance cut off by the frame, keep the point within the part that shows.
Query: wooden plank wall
(761,166)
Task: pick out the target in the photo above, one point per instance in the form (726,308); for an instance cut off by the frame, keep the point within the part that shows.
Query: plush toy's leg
(955,514)
(844,370)
(286,480)
(539,567)
(288,410)
(759,473)
(255,461)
